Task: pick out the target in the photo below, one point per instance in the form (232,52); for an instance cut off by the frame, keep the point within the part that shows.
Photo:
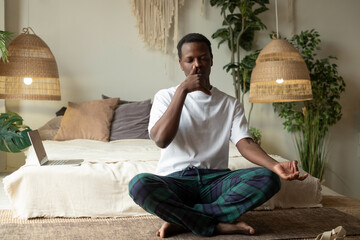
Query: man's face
(196,54)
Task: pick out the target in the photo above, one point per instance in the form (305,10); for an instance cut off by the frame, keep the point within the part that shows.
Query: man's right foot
(167,229)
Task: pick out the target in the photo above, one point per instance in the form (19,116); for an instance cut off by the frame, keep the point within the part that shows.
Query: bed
(112,156)
(99,187)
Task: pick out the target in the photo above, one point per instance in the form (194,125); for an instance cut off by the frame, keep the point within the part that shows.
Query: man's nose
(197,63)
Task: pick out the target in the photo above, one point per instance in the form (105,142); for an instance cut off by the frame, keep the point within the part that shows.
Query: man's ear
(211,61)
(181,66)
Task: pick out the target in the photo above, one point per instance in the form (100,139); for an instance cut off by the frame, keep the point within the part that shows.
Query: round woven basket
(280,75)
(29,57)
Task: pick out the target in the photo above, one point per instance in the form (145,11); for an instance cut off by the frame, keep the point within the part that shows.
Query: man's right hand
(196,82)
(167,126)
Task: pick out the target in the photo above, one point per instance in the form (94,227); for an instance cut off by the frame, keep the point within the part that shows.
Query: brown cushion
(87,120)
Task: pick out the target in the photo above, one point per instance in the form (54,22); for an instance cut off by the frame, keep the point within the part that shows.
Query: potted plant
(13,134)
(240,24)
(310,120)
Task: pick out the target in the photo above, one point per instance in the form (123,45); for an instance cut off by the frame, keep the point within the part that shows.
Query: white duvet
(99,187)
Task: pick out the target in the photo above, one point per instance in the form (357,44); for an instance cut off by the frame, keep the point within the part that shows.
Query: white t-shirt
(207,123)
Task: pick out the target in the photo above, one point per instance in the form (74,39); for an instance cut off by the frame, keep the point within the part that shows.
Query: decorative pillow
(61,111)
(131,121)
(120,101)
(49,130)
(87,120)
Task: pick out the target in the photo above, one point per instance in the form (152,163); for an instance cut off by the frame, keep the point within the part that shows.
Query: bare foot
(168,229)
(238,227)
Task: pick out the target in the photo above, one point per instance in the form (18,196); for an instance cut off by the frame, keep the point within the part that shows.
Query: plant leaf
(13,134)
(5,38)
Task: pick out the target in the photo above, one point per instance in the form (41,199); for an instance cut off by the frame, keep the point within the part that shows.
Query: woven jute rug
(277,224)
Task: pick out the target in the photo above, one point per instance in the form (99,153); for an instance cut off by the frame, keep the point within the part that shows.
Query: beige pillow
(87,120)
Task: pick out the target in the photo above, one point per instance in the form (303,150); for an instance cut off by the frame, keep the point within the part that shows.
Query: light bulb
(280,80)
(28,81)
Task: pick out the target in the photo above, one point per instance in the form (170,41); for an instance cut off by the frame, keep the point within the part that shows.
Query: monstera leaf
(13,134)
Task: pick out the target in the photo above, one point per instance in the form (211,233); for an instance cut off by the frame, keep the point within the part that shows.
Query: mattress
(99,187)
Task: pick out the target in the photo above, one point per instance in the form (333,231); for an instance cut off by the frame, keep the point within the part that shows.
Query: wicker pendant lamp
(280,73)
(31,72)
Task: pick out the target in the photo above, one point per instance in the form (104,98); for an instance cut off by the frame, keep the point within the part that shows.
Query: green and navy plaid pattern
(197,199)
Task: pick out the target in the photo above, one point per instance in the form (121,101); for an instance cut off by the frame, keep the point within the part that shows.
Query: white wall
(337,23)
(98,50)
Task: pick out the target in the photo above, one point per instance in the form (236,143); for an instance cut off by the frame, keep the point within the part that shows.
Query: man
(193,189)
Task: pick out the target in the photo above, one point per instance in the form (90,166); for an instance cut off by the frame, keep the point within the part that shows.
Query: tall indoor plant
(13,134)
(310,120)
(240,24)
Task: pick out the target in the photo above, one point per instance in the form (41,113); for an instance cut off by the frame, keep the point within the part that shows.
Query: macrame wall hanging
(154,19)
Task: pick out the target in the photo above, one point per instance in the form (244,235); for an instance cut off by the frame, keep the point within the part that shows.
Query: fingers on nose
(197,63)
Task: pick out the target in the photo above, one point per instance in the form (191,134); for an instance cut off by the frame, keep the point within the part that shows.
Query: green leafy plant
(247,64)
(256,134)
(241,22)
(310,120)
(13,134)
(311,145)
(5,38)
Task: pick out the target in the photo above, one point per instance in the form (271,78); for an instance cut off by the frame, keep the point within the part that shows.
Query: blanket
(99,187)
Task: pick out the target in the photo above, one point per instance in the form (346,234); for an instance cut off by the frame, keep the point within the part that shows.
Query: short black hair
(193,37)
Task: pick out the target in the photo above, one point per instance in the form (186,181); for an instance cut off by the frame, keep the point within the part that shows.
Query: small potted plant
(13,133)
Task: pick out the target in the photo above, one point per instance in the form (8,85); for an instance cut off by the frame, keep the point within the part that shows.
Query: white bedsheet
(99,187)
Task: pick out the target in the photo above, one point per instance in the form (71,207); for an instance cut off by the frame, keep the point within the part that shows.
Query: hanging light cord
(28,16)
(277,22)
(27,30)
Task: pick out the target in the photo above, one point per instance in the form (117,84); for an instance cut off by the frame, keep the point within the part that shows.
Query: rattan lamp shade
(280,75)
(30,59)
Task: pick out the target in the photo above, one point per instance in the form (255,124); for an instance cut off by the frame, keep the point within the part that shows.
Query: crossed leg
(153,194)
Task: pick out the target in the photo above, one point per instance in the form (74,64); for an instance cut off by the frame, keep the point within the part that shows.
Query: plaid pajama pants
(198,199)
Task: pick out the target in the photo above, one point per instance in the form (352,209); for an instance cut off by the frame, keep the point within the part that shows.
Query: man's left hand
(289,171)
